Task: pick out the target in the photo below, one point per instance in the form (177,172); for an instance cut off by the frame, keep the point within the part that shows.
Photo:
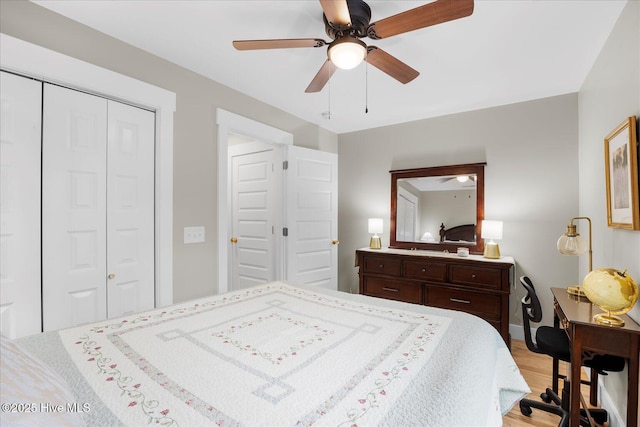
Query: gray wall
(610,94)
(195,139)
(530,181)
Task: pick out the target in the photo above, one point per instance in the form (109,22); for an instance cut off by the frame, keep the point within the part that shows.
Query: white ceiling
(507,51)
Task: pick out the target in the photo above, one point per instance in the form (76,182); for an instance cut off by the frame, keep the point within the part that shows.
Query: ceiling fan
(460,178)
(347,21)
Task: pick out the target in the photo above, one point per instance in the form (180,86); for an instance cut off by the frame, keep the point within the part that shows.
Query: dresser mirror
(439,208)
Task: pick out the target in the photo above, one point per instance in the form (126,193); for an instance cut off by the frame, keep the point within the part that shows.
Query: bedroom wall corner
(530,181)
(610,93)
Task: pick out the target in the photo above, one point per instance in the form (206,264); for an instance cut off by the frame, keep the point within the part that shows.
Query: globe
(613,291)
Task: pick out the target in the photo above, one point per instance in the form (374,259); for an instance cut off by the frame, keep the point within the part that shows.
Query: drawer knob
(473,276)
(381,265)
(424,269)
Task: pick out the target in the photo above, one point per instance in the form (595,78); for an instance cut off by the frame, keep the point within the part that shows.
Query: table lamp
(491,230)
(375,227)
(427,237)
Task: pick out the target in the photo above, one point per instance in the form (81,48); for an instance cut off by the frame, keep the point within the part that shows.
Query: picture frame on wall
(621,169)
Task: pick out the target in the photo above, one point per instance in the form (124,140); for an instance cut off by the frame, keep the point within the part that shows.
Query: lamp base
(375,243)
(491,250)
(608,319)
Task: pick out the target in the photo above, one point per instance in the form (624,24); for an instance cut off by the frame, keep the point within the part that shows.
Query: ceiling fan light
(347,53)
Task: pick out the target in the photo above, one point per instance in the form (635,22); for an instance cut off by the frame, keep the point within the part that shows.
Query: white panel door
(74,208)
(312,217)
(407,212)
(20,205)
(255,201)
(130,214)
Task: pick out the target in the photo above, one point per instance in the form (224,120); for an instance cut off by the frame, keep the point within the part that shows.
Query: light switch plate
(193,235)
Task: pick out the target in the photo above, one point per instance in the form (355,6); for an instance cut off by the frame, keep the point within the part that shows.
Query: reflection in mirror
(428,206)
(437,208)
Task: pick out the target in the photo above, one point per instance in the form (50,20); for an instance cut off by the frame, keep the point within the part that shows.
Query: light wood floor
(536,370)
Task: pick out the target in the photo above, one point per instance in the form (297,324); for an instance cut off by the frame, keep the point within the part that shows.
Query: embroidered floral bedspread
(283,355)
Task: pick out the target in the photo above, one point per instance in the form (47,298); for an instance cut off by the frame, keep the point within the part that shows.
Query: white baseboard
(517,332)
(615,420)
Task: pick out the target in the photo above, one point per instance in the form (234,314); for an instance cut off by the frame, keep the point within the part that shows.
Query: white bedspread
(283,355)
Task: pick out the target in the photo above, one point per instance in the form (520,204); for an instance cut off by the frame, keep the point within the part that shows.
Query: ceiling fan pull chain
(329,82)
(366,87)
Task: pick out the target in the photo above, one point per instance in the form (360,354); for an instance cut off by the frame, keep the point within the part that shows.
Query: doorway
(233,126)
(302,233)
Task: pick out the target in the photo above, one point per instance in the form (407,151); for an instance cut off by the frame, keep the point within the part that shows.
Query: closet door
(19,206)
(74,212)
(130,207)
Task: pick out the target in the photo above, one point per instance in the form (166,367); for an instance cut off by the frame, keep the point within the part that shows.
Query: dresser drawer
(379,265)
(478,277)
(393,289)
(486,306)
(426,270)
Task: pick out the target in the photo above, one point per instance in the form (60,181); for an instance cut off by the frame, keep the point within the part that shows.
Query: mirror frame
(466,169)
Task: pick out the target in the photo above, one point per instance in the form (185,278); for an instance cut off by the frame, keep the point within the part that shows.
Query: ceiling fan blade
(277,43)
(423,16)
(321,79)
(336,11)
(390,65)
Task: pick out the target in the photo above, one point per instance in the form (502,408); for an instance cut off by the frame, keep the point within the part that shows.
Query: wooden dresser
(472,284)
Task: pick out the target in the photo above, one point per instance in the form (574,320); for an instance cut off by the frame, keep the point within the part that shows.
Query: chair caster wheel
(600,416)
(525,410)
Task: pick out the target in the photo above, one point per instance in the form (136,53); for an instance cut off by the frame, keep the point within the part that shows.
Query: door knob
(234,240)
(111,276)
(335,241)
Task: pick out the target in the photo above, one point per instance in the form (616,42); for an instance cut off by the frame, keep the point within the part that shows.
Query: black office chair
(554,342)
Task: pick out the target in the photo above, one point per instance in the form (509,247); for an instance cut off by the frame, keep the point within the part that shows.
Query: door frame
(231,123)
(41,63)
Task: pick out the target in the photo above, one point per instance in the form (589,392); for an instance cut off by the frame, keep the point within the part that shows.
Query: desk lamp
(571,243)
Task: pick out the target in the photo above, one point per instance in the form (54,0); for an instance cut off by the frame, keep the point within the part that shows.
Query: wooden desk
(575,315)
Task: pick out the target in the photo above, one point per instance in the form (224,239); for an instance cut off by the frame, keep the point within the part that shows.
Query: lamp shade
(375,225)
(570,243)
(427,237)
(347,52)
(492,230)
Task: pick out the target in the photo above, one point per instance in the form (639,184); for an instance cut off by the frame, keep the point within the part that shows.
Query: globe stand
(608,319)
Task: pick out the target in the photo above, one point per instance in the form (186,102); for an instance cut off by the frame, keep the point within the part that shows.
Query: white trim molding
(44,64)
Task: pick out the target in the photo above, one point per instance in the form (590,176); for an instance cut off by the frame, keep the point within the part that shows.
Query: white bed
(272,355)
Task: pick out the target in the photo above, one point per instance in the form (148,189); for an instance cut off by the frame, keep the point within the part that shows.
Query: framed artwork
(621,168)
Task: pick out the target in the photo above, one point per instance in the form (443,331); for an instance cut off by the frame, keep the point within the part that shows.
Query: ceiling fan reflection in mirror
(347,22)
(460,178)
